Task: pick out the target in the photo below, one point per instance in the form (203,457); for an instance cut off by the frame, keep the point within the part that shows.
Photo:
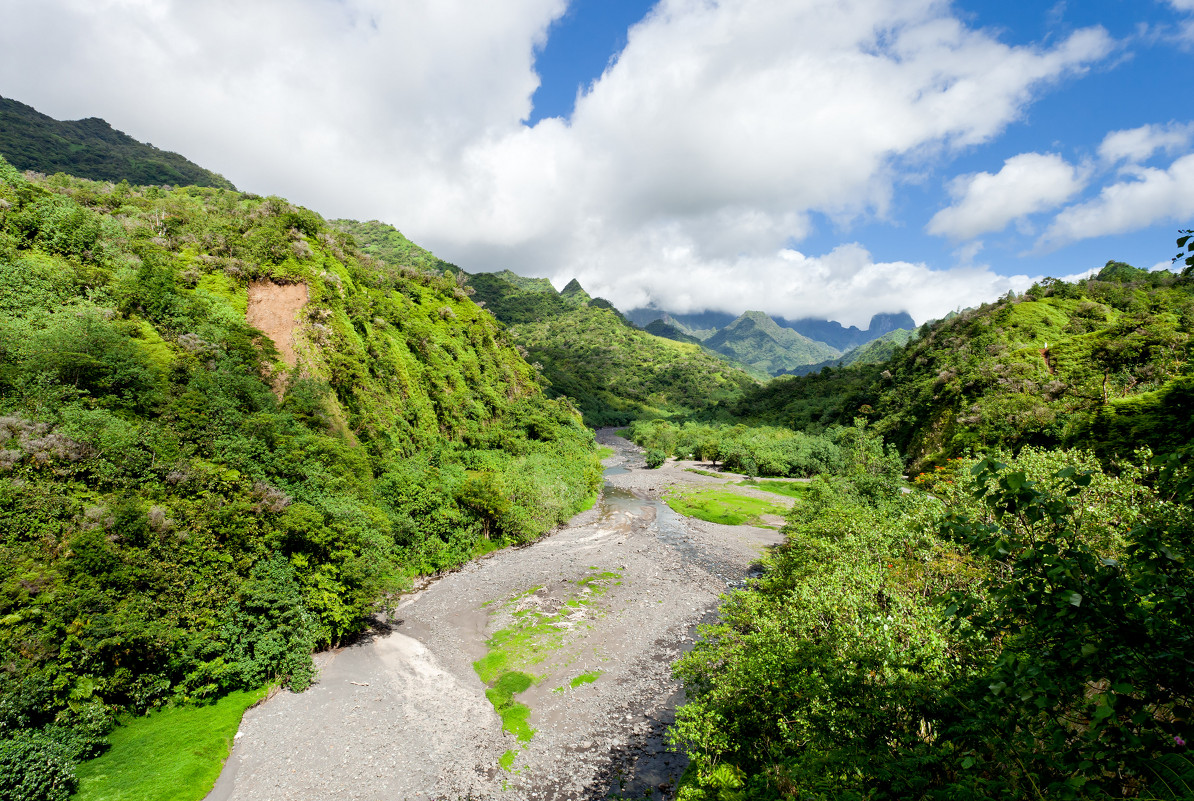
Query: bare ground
(273,309)
(402,714)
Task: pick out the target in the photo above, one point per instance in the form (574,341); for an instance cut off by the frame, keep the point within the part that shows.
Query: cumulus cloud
(1027,184)
(1139,144)
(714,139)
(1149,196)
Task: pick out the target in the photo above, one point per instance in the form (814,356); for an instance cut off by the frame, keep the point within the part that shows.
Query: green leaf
(1076,598)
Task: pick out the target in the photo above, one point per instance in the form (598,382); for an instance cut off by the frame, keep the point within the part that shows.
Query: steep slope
(873,352)
(1101,363)
(385,242)
(91,148)
(591,354)
(616,373)
(189,504)
(756,340)
(701,325)
(661,329)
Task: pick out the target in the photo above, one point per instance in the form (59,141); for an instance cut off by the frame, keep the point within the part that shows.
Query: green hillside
(877,350)
(1101,362)
(385,242)
(188,508)
(661,329)
(91,148)
(616,373)
(754,339)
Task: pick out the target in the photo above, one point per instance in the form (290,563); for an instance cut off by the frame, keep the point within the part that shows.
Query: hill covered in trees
(589,353)
(190,505)
(1103,362)
(91,148)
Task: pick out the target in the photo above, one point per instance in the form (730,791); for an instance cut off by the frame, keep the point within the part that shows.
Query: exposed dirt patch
(273,309)
(404,714)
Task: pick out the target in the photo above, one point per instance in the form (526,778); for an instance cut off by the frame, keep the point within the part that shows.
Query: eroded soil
(402,714)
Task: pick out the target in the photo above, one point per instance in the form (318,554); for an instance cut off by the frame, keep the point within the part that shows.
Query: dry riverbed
(403,714)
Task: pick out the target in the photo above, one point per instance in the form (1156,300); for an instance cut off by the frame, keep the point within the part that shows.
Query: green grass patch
(702,472)
(584,678)
(513,714)
(174,754)
(506,760)
(724,506)
(530,638)
(792,489)
(604,452)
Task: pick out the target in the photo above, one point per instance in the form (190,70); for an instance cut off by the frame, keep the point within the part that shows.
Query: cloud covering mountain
(721,138)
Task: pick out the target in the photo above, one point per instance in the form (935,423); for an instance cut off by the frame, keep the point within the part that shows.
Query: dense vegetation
(91,148)
(181,513)
(874,352)
(615,373)
(754,339)
(589,353)
(1021,632)
(1100,363)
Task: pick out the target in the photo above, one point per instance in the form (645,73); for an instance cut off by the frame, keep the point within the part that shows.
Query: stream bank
(403,714)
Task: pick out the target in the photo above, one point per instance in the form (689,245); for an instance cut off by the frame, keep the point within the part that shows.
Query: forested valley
(983,589)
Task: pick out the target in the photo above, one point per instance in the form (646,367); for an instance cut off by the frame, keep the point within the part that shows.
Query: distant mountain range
(777,346)
(91,148)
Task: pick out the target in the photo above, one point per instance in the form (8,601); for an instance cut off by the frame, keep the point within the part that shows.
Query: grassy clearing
(531,638)
(703,472)
(792,489)
(175,754)
(604,452)
(724,506)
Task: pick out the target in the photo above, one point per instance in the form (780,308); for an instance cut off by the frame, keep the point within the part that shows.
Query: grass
(506,760)
(792,489)
(513,714)
(703,472)
(174,754)
(584,678)
(724,506)
(604,452)
(526,642)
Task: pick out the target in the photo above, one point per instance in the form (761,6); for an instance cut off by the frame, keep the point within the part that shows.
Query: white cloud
(712,140)
(1027,184)
(1139,144)
(1151,196)
(1182,5)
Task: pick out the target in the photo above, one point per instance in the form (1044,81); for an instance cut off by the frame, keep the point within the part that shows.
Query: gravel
(401,713)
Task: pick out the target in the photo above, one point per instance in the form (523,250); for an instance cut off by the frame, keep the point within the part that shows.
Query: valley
(403,713)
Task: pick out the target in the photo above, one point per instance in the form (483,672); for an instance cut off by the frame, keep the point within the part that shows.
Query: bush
(655,458)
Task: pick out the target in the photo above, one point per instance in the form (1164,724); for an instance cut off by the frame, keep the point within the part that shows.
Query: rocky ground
(402,714)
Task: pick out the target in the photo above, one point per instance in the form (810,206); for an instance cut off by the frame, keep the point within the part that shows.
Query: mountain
(701,325)
(91,148)
(756,340)
(588,352)
(574,294)
(386,243)
(1101,363)
(227,441)
(873,352)
(842,338)
(661,329)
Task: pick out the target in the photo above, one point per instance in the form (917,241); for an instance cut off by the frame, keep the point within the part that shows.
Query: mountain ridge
(91,148)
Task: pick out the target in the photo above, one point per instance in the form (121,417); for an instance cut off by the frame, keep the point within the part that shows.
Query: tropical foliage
(1020,633)
(1101,363)
(181,512)
(91,148)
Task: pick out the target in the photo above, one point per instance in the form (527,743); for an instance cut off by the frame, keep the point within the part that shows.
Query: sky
(809,158)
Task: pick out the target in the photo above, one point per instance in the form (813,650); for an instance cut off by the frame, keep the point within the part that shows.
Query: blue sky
(1147,82)
(826,158)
